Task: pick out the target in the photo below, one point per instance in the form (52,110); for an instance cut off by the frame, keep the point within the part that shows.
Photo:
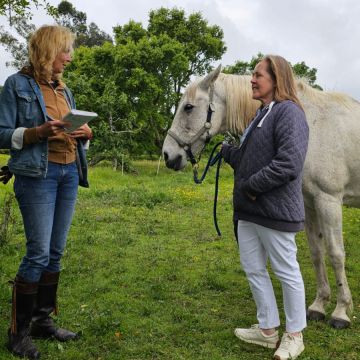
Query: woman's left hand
(250,196)
(83,132)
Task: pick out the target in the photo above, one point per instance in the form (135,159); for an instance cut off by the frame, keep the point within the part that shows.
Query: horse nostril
(166,156)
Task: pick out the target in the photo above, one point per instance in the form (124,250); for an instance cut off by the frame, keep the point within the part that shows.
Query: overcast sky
(323,33)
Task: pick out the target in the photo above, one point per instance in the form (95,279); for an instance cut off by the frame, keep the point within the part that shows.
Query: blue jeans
(47,207)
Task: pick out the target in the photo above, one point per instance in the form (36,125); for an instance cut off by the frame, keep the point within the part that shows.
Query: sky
(323,33)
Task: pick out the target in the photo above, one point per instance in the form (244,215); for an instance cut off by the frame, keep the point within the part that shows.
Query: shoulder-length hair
(45,44)
(283,76)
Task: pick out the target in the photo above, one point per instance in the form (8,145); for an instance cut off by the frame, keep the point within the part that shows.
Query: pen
(52,119)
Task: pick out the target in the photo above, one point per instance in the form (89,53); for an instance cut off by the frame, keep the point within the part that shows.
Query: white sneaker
(254,335)
(290,347)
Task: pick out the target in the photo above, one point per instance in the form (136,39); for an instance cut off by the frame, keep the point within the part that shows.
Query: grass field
(145,276)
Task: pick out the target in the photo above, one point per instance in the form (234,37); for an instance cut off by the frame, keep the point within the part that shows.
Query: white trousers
(257,244)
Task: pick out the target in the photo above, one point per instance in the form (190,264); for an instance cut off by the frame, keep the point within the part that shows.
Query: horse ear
(210,78)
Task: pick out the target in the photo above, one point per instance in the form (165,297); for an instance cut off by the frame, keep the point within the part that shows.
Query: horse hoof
(339,323)
(315,315)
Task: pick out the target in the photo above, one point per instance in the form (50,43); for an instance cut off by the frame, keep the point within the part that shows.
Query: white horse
(332,166)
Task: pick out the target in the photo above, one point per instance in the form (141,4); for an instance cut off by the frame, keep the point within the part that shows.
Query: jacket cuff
(31,136)
(17,138)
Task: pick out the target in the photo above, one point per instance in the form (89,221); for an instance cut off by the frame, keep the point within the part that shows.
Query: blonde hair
(283,76)
(45,44)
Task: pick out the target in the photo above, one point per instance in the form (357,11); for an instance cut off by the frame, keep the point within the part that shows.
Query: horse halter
(205,129)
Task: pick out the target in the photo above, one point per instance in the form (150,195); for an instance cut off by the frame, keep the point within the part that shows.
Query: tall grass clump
(7,218)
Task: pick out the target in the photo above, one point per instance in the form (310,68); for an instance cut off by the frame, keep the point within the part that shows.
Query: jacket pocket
(27,106)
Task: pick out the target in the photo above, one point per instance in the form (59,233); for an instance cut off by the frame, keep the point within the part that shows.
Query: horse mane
(240,106)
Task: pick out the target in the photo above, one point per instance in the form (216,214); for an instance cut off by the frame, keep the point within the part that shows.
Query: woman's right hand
(51,128)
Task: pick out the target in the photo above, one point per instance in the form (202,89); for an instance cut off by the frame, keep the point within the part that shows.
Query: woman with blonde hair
(269,207)
(43,160)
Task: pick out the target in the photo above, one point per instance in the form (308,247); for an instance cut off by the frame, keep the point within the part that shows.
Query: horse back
(332,165)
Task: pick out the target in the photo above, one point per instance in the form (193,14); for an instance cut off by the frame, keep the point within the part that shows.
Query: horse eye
(188,107)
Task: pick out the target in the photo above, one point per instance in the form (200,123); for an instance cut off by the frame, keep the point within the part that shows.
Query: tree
(22,8)
(243,67)
(66,15)
(163,57)
(136,83)
(75,20)
(18,13)
(89,77)
(201,44)
(71,18)
(94,36)
(302,70)
(15,46)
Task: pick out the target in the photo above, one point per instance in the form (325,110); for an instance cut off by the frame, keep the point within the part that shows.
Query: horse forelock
(190,91)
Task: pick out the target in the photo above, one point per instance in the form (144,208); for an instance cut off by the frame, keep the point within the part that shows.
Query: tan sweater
(62,147)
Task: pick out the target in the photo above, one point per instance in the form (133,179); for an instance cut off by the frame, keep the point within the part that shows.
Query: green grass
(145,276)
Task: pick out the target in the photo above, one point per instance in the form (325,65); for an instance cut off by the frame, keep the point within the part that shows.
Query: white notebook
(78,118)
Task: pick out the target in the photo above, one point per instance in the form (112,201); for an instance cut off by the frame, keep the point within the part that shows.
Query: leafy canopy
(137,81)
(86,35)
(23,8)
(65,14)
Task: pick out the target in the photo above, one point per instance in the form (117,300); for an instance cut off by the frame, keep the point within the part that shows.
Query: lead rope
(211,162)
(217,176)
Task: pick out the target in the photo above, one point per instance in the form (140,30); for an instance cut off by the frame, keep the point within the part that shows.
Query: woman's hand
(250,196)
(83,132)
(51,128)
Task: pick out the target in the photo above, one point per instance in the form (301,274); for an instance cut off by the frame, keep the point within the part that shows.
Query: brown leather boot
(42,325)
(23,299)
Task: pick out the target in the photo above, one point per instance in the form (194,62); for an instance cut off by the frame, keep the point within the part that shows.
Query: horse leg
(316,311)
(329,211)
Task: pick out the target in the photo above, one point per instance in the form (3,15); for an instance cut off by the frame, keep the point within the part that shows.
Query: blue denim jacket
(22,105)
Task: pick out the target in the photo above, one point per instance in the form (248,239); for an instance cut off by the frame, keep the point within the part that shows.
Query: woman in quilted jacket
(269,207)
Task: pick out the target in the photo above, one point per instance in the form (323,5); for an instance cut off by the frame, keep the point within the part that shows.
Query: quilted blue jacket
(269,165)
